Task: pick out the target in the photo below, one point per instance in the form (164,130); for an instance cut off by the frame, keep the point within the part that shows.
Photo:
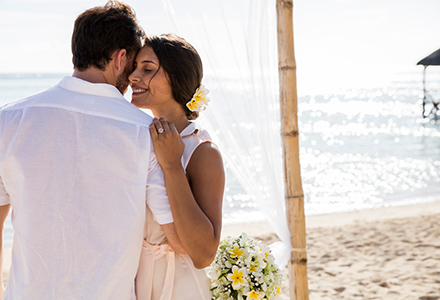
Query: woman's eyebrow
(148,61)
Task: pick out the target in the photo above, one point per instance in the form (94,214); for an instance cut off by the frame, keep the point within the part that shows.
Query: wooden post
(424,91)
(289,132)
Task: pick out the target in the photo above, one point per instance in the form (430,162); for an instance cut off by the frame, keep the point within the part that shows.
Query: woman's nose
(133,77)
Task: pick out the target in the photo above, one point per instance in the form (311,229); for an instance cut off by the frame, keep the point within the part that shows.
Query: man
(76,166)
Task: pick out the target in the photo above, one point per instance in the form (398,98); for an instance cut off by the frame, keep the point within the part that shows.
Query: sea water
(359,148)
(364,148)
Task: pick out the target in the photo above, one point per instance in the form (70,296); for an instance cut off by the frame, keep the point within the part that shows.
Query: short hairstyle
(183,65)
(100,31)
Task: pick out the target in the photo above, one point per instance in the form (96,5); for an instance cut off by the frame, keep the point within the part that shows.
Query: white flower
(260,262)
(228,264)
(199,100)
(212,274)
(237,277)
(244,268)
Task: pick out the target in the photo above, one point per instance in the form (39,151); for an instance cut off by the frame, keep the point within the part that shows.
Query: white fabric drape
(237,42)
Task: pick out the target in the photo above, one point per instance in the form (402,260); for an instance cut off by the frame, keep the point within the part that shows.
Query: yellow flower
(253,295)
(252,268)
(200,100)
(193,105)
(236,252)
(279,289)
(236,277)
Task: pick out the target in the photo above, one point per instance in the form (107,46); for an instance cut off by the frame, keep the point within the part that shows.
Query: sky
(336,41)
(362,39)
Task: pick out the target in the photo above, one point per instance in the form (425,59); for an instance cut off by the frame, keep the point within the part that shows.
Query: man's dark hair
(102,30)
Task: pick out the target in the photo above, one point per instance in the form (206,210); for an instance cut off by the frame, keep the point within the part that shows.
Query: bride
(167,80)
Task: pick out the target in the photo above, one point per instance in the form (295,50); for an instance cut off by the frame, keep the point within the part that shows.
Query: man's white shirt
(77,165)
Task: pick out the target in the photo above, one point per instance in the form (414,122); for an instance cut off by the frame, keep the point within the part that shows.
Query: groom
(77,168)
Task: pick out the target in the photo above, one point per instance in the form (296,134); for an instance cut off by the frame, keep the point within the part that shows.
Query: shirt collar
(85,87)
(188,130)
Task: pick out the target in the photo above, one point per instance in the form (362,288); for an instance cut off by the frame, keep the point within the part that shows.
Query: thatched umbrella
(289,131)
(432,59)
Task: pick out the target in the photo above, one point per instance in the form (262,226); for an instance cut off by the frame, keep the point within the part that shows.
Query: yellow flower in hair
(200,100)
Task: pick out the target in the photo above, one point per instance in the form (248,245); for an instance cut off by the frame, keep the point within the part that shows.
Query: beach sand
(384,253)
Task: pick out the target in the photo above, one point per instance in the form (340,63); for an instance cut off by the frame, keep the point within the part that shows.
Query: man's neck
(92,75)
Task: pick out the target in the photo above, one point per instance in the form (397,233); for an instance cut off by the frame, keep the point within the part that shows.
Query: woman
(167,76)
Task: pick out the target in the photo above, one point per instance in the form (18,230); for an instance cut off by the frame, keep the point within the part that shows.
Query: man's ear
(119,58)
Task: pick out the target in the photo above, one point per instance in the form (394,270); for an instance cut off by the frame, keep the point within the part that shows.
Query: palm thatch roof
(432,59)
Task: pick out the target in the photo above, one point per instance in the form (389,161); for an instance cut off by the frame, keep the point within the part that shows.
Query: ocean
(360,148)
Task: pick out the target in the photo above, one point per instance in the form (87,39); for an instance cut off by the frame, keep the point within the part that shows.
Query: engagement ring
(160,130)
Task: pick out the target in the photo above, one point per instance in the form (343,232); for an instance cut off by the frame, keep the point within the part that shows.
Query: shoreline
(254,228)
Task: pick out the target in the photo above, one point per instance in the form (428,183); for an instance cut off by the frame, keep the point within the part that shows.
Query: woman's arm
(173,238)
(197,209)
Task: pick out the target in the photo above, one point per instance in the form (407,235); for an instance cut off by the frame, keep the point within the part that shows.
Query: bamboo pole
(289,131)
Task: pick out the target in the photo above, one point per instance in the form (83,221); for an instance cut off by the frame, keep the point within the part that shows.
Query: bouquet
(244,269)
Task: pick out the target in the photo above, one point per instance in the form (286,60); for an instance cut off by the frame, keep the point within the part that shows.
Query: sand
(385,253)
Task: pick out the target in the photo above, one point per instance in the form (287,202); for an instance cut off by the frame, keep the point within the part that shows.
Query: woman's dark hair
(102,30)
(181,62)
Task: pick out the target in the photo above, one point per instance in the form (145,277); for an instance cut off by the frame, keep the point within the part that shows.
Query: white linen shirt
(77,165)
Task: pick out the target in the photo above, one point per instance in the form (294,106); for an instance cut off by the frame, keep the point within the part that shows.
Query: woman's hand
(167,142)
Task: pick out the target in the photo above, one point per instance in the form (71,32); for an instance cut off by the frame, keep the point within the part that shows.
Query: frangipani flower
(252,268)
(279,290)
(260,262)
(253,295)
(266,251)
(237,277)
(200,100)
(236,252)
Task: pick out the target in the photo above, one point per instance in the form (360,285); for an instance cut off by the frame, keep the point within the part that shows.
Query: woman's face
(149,82)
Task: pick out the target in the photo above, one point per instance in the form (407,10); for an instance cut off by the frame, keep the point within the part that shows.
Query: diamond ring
(160,130)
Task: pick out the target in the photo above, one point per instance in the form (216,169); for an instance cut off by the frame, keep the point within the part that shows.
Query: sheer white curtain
(237,42)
